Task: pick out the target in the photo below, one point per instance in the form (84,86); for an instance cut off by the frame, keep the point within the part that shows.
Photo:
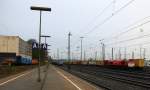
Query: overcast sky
(87,18)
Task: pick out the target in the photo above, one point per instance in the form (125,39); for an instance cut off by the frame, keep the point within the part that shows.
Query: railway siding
(111,80)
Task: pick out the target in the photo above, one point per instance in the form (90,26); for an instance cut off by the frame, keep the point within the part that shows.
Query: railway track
(124,77)
(137,75)
(89,78)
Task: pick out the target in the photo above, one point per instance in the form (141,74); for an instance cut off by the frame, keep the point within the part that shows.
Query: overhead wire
(130,29)
(138,44)
(99,14)
(139,37)
(109,17)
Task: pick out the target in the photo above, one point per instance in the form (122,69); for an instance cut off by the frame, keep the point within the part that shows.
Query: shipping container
(139,63)
(23,60)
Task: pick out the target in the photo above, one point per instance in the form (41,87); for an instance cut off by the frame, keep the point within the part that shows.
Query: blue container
(23,60)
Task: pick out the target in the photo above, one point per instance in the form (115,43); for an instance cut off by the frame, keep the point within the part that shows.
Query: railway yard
(112,79)
(74,45)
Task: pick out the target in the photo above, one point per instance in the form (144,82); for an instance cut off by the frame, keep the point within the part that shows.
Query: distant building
(12,46)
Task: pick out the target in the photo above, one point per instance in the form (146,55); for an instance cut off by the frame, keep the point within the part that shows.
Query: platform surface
(56,79)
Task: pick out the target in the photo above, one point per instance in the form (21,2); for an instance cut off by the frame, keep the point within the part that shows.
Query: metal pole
(140,53)
(103,51)
(125,56)
(45,50)
(100,56)
(39,76)
(132,54)
(72,56)
(81,48)
(144,53)
(119,53)
(112,53)
(69,49)
(40,9)
(96,55)
(84,55)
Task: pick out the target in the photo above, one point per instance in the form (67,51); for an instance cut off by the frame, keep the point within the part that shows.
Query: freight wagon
(58,62)
(147,63)
(23,60)
(130,63)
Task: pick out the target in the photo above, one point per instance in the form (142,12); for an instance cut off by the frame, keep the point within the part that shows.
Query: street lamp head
(81,37)
(101,40)
(45,36)
(40,8)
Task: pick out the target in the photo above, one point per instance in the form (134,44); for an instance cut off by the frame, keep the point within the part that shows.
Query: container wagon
(23,60)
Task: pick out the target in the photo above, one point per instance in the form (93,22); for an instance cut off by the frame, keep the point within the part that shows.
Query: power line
(101,13)
(109,17)
(145,43)
(130,29)
(139,37)
(138,44)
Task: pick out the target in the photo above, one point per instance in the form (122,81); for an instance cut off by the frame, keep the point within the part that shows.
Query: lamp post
(69,35)
(40,9)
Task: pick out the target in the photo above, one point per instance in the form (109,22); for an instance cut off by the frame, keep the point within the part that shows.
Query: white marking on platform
(12,79)
(68,80)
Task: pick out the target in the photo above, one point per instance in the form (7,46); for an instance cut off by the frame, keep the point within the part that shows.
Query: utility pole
(81,48)
(57,53)
(96,55)
(119,53)
(103,49)
(140,53)
(116,56)
(100,54)
(132,54)
(84,55)
(69,50)
(144,53)
(125,53)
(112,50)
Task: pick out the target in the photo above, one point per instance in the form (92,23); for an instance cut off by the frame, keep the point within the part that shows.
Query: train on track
(130,63)
(20,60)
